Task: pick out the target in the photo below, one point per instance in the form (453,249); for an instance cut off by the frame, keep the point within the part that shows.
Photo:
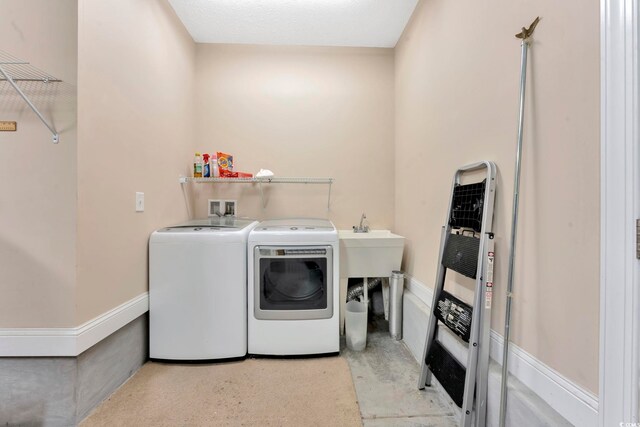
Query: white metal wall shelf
(13,70)
(262,181)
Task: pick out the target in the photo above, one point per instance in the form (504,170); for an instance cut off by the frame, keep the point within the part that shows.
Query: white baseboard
(29,342)
(575,404)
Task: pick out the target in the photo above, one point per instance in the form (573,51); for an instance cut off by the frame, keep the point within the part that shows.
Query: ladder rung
(467,204)
(455,314)
(449,372)
(461,254)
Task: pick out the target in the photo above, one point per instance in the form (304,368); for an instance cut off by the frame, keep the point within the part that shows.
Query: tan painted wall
(300,111)
(38,178)
(135,103)
(303,112)
(457,74)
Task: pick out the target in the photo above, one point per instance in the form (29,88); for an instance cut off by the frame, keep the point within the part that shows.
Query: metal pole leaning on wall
(525,34)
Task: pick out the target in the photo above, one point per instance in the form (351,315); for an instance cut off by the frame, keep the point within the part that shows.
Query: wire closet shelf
(264,180)
(14,70)
(267,180)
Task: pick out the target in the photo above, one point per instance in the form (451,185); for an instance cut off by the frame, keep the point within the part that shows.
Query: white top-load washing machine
(293,287)
(198,290)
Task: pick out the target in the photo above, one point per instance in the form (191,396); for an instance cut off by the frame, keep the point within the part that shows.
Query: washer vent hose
(358,289)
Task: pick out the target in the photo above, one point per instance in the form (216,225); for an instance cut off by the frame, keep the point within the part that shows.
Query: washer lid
(225,223)
(296,224)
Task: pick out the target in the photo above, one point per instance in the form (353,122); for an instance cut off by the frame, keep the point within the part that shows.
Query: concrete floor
(385,375)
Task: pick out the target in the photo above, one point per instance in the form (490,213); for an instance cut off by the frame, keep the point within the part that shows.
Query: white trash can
(356,325)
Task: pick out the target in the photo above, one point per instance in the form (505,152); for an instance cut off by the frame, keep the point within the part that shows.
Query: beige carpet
(253,392)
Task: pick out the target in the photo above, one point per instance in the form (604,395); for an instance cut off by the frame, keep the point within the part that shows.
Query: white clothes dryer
(293,286)
(198,290)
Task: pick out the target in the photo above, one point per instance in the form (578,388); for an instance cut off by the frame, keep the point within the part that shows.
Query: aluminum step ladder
(466,247)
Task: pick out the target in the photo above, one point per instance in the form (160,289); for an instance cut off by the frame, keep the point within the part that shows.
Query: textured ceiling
(366,23)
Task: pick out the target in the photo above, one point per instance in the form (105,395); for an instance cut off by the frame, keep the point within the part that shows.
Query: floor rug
(252,392)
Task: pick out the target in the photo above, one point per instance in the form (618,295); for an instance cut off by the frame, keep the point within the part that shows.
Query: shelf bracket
(56,137)
(264,205)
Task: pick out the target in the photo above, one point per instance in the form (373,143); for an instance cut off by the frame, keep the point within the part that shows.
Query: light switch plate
(139,202)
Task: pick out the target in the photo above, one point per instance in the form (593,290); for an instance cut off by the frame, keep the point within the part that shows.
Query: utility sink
(373,254)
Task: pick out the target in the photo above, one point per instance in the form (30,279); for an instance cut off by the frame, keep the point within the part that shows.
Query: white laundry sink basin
(373,254)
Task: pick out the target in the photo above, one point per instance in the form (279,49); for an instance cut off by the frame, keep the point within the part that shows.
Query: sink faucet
(361,228)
